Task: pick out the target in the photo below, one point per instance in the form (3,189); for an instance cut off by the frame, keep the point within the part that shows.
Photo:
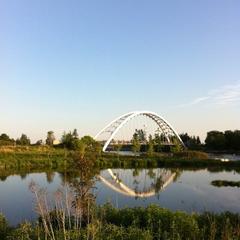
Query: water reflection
(176,189)
(148,184)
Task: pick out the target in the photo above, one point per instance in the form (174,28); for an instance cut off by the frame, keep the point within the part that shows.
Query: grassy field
(108,223)
(49,157)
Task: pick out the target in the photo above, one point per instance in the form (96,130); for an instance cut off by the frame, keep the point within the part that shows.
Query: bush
(3,227)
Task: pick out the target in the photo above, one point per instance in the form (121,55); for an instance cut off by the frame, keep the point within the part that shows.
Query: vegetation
(106,222)
(46,157)
(20,155)
(5,140)
(191,142)
(181,159)
(225,183)
(223,141)
(75,215)
(215,141)
(136,141)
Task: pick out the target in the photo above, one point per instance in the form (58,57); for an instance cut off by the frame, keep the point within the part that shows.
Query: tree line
(70,141)
(215,141)
(24,140)
(228,140)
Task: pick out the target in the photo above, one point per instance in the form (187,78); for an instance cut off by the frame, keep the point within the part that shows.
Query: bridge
(113,181)
(114,127)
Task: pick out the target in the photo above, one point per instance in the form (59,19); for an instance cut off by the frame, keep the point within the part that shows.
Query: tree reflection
(146,183)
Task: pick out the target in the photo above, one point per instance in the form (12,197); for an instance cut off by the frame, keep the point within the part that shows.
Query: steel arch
(114,126)
(126,190)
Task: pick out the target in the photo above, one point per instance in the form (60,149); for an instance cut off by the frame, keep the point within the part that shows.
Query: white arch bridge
(114,182)
(113,127)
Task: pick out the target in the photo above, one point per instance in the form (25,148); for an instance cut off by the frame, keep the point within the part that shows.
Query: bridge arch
(118,186)
(114,126)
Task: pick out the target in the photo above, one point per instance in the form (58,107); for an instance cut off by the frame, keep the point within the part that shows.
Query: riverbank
(185,159)
(139,223)
(58,158)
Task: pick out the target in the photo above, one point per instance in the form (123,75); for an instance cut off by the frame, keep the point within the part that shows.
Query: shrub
(3,227)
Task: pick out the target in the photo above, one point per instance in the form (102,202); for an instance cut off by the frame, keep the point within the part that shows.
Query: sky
(80,64)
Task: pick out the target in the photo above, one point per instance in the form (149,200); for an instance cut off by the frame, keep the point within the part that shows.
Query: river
(175,189)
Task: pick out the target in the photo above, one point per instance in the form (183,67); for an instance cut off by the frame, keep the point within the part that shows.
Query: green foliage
(4,228)
(4,137)
(149,223)
(215,140)
(158,140)
(84,145)
(5,140)
(23,232)
(92,147)
(140,135)
(220,141)
(136,145)
(176,148)
(225,226)
(191,142)
(113,232)
(75,134)
(165,224)
(70,140)
(23,140)
(150,149)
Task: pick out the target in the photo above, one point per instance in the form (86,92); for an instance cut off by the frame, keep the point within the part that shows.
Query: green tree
(136,146)
(6,140)
(191,142)
(215,140)
(67,140)
(158,139)
(176,146)
(89,148)
(141,135)
(4,137)
(232,140)
(150,149)
(75,134)
(23,140)
(4,228)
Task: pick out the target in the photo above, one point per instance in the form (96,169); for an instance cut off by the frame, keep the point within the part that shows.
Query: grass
(108,223)
(42,157)
(163,160)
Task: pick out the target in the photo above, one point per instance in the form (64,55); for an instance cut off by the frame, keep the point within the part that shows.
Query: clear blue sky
(78,64)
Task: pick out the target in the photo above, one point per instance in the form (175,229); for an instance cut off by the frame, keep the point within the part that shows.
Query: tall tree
(191,142)
(75,134)
(23,140)
(136,146)
(150,149)
(4,137)
(215,140)
(6,140)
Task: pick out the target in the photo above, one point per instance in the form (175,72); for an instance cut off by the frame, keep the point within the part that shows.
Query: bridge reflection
(150,181)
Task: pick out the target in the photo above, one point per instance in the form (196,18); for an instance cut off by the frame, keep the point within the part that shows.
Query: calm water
(230,157)
(174,189)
